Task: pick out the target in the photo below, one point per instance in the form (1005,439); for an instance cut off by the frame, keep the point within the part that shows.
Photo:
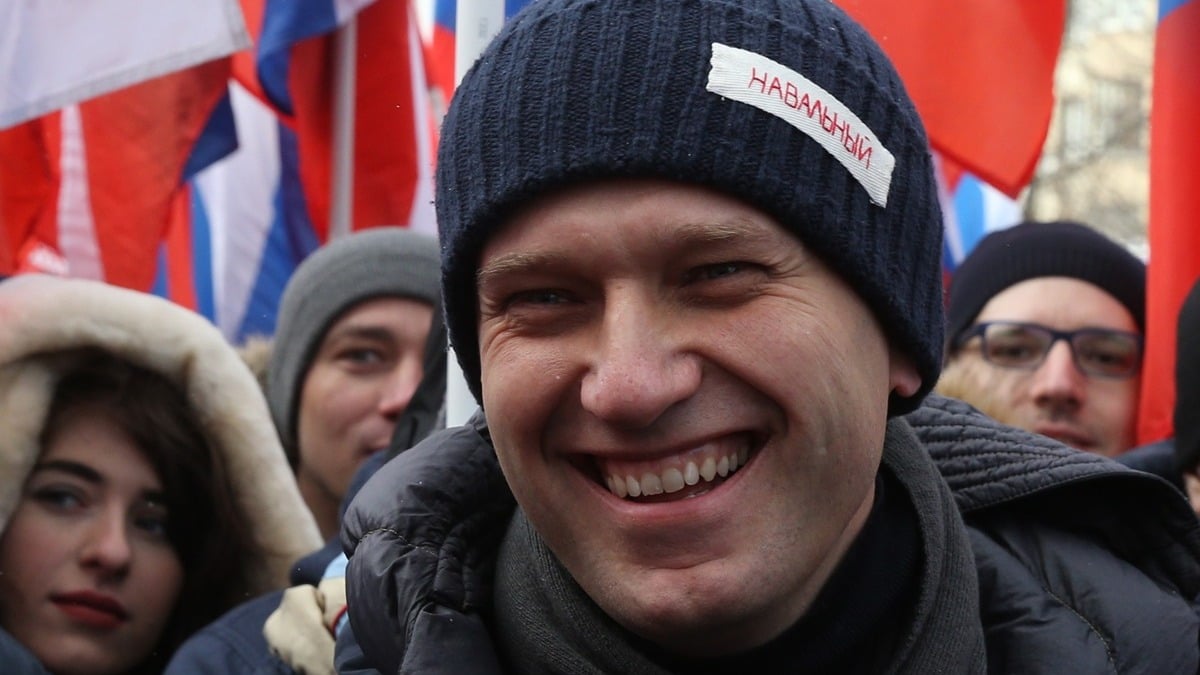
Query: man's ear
(903,377)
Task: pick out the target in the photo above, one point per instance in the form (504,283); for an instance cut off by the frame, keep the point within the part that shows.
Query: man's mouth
(1066,434)
(679,476)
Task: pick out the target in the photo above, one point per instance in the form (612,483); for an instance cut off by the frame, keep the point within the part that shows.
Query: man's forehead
(676,213)
(377,316)
(1059,302)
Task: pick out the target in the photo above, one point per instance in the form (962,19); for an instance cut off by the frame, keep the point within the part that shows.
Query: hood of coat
(42,317)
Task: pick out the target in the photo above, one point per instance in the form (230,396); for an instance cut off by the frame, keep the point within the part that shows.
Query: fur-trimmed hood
(41,316)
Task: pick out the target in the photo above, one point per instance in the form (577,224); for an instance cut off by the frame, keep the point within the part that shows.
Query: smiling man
(1045,324)
(691,267)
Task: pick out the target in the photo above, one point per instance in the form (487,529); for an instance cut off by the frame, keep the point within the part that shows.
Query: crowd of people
(689,261)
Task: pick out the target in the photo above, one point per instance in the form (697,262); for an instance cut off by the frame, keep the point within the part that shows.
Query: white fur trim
(42,314)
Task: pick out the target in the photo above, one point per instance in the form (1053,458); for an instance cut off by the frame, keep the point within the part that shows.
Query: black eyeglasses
(1097,351)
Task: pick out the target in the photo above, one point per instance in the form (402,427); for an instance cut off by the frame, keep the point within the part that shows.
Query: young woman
(143,490)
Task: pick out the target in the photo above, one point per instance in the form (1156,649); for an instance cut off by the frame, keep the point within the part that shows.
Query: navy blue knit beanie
(1043,249)
(786,105)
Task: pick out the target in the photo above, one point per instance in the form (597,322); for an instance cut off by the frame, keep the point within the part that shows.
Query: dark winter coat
(1083,565)
(16,659)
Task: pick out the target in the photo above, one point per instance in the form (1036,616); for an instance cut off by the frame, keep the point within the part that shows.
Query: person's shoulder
(16,659)
(987,463)
(234,643)
(996,472)
(417,535)
(1079,558)
(453,473)
(1156,458)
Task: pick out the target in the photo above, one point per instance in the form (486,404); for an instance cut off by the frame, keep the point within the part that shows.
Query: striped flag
(971,209)
(248,220)
(59,52)
(240,229)
(392,125)
(89,190)
(1174,231)
(440,55)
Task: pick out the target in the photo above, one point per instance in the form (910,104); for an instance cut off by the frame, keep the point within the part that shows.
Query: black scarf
(902,600)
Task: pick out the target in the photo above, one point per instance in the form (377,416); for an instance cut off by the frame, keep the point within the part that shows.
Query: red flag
(1174,231)
(91,188)
(981,73)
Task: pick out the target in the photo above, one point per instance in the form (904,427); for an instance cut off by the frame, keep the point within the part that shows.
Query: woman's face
(88,578)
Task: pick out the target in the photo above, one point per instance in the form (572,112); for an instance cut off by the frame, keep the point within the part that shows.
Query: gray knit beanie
(787,105)
(373,263)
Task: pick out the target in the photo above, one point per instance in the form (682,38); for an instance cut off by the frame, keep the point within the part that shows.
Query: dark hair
(203,526)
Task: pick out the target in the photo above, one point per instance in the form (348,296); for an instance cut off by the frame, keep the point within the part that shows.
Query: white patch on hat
(774,88)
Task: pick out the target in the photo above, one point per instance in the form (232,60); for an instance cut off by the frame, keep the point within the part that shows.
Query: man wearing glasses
(1044,332)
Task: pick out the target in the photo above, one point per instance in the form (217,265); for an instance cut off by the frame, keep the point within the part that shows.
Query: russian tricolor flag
(971,209)
(390,126)
(89,190)
(251,218)
(98,137)
(241,228)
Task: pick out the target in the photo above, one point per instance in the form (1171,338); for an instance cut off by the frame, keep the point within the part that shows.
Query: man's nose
(1058,380)
(399,386)
(640,367)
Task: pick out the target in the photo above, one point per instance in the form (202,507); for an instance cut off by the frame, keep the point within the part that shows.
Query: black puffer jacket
(1084,566)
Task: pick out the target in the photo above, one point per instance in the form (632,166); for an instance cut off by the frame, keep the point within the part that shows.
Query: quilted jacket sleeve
(422,537)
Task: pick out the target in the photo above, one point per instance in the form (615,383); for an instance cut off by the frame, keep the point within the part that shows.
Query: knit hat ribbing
(579,90)
(379,262)
(1043,249)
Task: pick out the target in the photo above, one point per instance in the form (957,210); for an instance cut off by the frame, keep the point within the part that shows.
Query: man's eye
(716,271)
(362,355)
(541,296)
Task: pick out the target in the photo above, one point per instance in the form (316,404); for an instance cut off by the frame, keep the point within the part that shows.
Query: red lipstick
(93,609)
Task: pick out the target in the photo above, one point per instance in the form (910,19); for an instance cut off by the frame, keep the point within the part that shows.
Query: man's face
(687,403)
(362,378)
(1089,412)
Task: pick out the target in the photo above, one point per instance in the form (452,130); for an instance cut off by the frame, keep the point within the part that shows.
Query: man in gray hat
(691,268)
(358,365)
(346,356)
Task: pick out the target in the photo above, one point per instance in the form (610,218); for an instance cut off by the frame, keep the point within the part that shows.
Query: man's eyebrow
(362,332)
(76,469)
(513,263)
(687,234)
(702,233)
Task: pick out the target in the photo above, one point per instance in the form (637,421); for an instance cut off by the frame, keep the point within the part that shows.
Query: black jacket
(1083,566)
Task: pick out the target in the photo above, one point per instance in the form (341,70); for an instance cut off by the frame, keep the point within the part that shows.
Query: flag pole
(341,192)
(476,23)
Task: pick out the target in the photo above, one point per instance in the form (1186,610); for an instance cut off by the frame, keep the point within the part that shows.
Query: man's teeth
(673,479)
